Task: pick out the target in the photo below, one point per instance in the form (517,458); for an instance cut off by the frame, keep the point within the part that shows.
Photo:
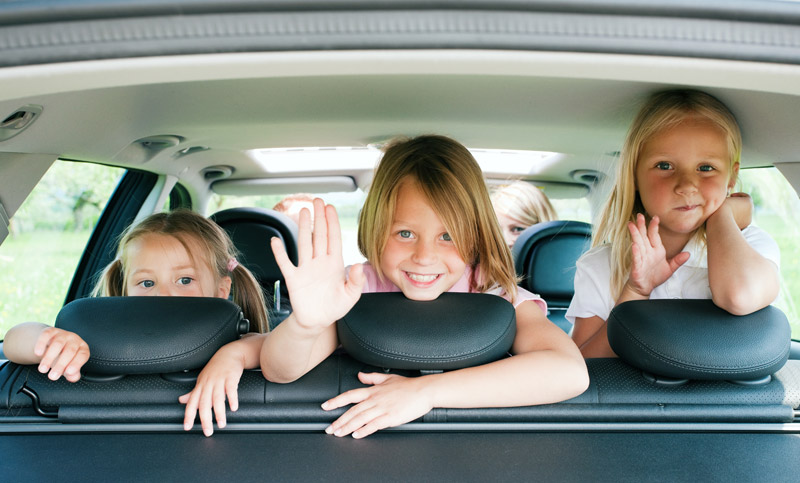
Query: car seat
(250,230)
(545,256)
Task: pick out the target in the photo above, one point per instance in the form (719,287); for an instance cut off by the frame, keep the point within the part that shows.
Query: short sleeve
(592,286)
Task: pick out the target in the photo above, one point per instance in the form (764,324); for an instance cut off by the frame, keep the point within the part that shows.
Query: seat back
(251,230)
(545,256)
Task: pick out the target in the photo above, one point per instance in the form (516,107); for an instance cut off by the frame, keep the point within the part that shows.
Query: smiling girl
(427,227)
(671,228)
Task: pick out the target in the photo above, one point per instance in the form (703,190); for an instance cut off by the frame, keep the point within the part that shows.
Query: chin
(421,296)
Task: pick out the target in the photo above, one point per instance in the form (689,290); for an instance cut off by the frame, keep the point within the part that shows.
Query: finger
(357,420)
(232,390)
(320,228)
(51,355)
(73,371)
(305,248)
(652,232)
(678,260)
(206,418)
(64,358)
(636,236)
(190,414)
(356,278)
(281,257)
(371,427)
(353,396)
(373,378)
(219,407)
(334,232)
(43,341)
(641,225)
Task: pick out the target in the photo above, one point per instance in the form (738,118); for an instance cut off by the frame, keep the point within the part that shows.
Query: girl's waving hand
(649,265)
(320,296)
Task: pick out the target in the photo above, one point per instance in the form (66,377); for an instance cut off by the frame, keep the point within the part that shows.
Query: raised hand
(61,352)
(391,400)
(317,287)
(649,265)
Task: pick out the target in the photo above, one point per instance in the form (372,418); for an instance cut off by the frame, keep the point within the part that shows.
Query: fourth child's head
(428,217)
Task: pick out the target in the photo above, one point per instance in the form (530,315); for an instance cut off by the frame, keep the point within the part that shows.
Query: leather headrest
(695,339)
(140,335)
(454,331)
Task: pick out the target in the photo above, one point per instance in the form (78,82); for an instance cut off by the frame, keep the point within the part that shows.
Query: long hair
(524,203)
(662,111)
(192,230)
(453,183)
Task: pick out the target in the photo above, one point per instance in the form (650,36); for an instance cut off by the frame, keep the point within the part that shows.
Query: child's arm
(56,351)
(220,379)
(546,368)
(649,269)
(742,281)
(320,296)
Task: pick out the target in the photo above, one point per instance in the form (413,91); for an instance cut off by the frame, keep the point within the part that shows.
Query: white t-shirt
(690,281)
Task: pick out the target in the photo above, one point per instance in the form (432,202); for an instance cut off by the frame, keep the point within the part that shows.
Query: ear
(224,288)
(734,176)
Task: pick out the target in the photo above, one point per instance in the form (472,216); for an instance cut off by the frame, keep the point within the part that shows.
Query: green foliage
(70,196)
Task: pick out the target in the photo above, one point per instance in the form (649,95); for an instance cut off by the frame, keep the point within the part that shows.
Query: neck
(674,242)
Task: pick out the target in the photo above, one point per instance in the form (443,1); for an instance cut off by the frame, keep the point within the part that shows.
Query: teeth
(417,277)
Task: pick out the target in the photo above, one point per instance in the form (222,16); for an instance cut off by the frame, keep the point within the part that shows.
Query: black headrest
(454,331)
(545,256)
(142,335)
(695,339)
(250,230)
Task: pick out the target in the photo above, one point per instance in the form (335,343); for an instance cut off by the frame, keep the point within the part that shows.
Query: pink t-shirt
(374,284)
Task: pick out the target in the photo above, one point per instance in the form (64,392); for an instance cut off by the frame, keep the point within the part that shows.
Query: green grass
(35,271)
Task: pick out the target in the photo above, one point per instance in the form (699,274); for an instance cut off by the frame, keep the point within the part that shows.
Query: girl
(178,253)
(520,205)
(427,227)
(671,228)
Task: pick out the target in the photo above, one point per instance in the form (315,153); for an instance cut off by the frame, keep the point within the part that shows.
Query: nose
(686,183)
(425,253)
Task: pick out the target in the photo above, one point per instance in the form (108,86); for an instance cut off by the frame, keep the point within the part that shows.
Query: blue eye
(446,237)
(706,168)
(404,234)
(663,165)
(147,283)
(185,280)
(517,229)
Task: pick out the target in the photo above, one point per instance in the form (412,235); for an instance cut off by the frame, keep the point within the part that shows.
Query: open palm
(318,289)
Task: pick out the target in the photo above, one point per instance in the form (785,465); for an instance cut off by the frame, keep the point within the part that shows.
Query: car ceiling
(578,104)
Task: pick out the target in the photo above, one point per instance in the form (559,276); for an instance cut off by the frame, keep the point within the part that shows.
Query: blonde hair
(453,183)
(524,203)
(217,249)
(662,111)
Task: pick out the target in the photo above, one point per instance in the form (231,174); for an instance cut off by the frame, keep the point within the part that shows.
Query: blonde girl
(179,253)
(519,205)
(427,227)
(671,228)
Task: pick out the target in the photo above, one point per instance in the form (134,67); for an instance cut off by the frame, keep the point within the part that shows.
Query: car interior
(209,109)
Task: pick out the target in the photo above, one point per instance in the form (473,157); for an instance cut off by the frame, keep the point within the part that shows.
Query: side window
(777,211)
(47,237)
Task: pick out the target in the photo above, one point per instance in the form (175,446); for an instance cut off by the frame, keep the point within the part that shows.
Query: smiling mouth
(422,279)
